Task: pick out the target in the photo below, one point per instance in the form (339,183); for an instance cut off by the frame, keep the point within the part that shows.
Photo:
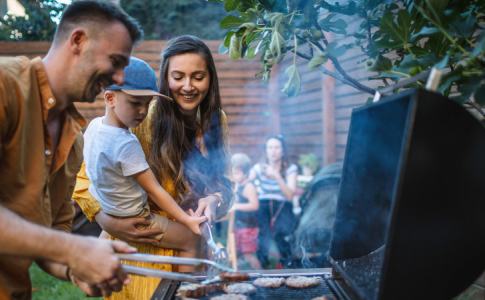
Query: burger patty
(234,276)
(230,297)
(270,282)
(240,288)
(196,290)
(300,282)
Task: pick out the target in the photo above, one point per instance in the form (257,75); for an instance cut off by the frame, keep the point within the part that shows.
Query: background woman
(186,145)
(276,188)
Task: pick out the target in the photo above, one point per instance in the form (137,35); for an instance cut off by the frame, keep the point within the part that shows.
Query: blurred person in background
(41,150)
(276,185)
(246,228)
(186,145)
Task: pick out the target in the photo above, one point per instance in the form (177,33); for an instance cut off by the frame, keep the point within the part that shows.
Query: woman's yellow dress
(141,287)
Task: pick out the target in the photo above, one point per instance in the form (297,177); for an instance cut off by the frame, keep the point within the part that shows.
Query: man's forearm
(23,238)
(55,269)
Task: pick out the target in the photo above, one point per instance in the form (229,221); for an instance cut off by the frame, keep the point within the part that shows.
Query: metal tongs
(148,258)
(219,255)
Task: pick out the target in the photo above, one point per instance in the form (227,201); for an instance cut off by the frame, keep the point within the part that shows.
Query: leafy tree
(399,38)
(37,24)
(164,19)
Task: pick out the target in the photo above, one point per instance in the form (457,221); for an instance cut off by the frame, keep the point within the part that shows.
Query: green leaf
(227,39)
(220,1)
(266,76)
(380,64)
(245,6)
(276,18)
(316,61)
(464,28)
(245,42)
(443,63)
(334,50)
(438,44)
(400,32)
(223,49)
(447,81)
(337,26)
(231,22)
(391,76)
(259,73)
(417,51)
(234,47)
(437,6)
(230,5)
(251,53)
(292,86)
(480,95)
(480,44)
(276,45)
(469,88)
(425,32)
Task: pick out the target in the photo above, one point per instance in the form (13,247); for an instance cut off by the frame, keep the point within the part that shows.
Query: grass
(46,287)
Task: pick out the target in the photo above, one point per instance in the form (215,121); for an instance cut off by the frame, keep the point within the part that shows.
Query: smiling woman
(189,82)
(186,145)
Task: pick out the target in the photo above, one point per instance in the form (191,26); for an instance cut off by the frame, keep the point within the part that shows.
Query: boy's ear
(109,97)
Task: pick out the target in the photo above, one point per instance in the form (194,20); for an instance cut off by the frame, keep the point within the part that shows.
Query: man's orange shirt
(35,183)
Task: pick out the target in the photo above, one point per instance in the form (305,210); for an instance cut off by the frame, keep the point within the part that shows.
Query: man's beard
(81,84)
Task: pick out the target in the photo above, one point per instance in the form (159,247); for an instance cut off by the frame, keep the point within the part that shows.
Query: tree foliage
(399,38)
(164,19)
(37,25)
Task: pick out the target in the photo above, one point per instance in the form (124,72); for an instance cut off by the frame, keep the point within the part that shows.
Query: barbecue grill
(409,221)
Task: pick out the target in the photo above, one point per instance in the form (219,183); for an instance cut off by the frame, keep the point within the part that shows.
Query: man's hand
(125,229)
(95,290)
(93,261)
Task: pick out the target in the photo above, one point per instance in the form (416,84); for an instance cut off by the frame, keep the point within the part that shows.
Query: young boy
(115,162)
(246,207)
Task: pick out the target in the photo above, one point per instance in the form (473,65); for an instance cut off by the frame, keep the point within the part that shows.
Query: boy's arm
(146,179)
(252,195)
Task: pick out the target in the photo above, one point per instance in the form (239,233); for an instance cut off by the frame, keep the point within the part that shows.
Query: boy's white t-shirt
(111,156)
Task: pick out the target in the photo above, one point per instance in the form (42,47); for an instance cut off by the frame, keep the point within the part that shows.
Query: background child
(116,163)
(246,207)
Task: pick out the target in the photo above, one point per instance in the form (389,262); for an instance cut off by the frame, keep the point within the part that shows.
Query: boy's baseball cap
(140,80)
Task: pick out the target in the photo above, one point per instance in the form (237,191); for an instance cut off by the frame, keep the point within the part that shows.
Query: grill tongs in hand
(148,258)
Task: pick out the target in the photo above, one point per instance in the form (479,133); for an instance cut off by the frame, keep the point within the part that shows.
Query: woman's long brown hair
(174,153)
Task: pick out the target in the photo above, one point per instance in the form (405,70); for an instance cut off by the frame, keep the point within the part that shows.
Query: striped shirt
(268,188)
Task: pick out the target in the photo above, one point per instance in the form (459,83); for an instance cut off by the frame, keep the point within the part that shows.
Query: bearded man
(41,150)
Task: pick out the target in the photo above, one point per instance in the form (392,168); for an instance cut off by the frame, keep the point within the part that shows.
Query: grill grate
(286,293)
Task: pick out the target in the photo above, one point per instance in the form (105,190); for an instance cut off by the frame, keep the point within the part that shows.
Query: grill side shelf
(341,290)
(165,290)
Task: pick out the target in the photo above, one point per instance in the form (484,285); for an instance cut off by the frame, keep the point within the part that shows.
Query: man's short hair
(84,12)
(242,162)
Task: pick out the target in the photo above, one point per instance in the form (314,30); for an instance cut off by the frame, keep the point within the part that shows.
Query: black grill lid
(409,221)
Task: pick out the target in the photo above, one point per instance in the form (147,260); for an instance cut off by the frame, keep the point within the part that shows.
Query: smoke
(305,261)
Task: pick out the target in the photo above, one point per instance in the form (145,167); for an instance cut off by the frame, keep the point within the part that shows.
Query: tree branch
(339,68)
(352,82)
(476,106)
(369,31)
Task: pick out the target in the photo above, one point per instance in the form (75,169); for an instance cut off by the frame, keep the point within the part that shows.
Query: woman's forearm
(246,206)
(285,189)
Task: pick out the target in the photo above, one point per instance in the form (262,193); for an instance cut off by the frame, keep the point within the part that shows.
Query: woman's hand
(271,172)
(208,206)
(125,229)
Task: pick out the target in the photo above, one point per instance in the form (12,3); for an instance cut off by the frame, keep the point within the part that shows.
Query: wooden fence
(317,120)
